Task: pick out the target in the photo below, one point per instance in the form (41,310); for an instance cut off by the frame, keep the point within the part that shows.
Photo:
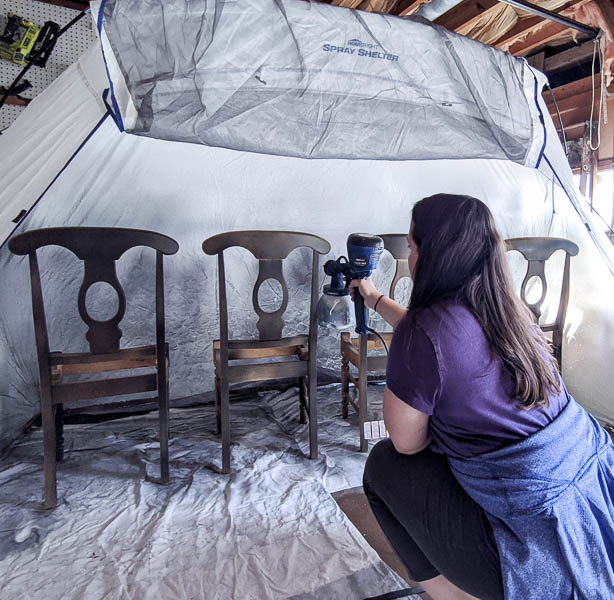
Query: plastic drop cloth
(269,530)
(305,79)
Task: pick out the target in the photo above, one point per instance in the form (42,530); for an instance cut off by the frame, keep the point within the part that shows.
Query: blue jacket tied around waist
(550,500)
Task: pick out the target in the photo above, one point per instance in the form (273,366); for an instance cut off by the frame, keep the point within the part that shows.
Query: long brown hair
(461,256)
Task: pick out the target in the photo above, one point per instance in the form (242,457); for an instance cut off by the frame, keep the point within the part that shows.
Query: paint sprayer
(333,310)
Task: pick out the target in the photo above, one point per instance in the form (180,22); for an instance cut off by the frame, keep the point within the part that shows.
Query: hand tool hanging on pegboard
(22,41)
(40,49)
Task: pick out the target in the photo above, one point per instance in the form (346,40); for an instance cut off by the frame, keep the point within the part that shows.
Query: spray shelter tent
(278,115)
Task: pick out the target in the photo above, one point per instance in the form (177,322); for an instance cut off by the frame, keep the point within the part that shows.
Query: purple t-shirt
(441,364)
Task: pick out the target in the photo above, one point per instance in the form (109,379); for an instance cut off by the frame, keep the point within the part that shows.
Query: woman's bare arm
(388,308)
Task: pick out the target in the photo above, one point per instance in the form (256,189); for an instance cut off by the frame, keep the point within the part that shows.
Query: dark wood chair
(537,250)
(99,248)
(355,350)
(298,353)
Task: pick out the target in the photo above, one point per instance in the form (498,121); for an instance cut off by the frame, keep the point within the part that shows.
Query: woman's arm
(389,309)
(408,427)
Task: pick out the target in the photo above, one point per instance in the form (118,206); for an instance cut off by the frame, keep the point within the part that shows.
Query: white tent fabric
(192,191)
(312,80)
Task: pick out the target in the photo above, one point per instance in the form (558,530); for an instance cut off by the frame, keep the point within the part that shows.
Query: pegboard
(68,48)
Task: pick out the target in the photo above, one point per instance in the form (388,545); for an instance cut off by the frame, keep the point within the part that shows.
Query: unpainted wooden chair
(99,248)
(298,353)
(355,350)
(537,250)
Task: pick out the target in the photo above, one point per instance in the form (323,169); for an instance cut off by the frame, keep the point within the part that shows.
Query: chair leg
(345,388)
(218,421)
(557,344)
(225,422)
(49,451)
(312,399)
(362,393)
(303,393)
(59,432)
(164,414)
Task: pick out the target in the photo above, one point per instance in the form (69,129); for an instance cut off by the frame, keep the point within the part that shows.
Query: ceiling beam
(408,7)
(574,103)
(568,58)
(532,32)
(465,13)
(552,16)
(606,7)
(574,88)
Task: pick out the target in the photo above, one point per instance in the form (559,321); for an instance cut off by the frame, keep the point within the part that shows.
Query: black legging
(431,522)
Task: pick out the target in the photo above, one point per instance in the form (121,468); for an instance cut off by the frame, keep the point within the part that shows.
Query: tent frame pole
(548,14)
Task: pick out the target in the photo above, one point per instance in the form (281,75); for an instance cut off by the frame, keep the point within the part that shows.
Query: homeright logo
(360,44)
(359,48)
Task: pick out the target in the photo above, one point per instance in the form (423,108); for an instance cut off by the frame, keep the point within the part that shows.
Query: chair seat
(350,350)
(252,349)
(245,350)
(87,363)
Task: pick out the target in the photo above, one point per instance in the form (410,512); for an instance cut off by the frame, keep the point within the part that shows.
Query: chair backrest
(99,248)
(270,248)
(396,244)
(537,250)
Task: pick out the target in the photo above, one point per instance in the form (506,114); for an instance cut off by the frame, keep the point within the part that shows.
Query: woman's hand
(367,290)
(390,310)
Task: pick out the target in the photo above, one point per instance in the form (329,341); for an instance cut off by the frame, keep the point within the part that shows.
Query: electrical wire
(40,51)
(602,95)
(556,106)
(381,339)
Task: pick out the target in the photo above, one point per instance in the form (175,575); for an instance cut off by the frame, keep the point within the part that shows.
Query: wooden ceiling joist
(574,102)
(532,32)
(465,13)
(607,10)
(567,58)
(408,7)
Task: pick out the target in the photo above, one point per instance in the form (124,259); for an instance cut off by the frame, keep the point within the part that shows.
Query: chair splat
(270,324)
(103,336)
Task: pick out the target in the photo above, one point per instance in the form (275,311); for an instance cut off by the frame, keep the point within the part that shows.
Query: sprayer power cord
(42,49)
(381,339)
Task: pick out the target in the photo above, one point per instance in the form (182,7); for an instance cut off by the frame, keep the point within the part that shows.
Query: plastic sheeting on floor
(269,530)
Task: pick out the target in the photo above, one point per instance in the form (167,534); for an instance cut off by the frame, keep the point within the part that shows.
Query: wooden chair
(355,350)
(537,250)
(99,248)
(298,352)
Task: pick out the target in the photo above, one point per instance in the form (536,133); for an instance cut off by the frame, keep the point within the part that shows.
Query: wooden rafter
(468,11)
(533,32)
(606,8)
(574,103)
(408,7)
(564,59)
